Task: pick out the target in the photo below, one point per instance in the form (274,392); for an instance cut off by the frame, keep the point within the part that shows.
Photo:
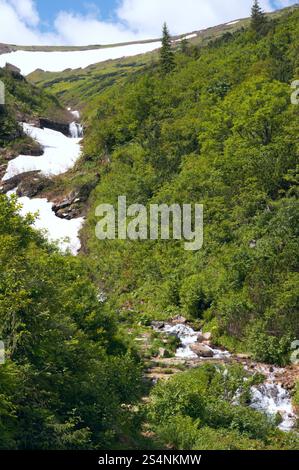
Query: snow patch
(65,232)
(28,61)
(60,153)
(233,22)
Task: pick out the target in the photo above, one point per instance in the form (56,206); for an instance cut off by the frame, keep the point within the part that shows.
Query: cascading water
(76,130)
(269,397)
(188,337)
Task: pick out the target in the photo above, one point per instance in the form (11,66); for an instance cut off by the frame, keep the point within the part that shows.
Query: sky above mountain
(69,22)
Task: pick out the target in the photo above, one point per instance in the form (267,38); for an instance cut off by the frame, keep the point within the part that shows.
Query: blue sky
(49,9)
(79,22)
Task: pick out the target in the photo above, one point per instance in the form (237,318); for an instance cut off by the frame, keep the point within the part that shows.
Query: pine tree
(258,18)
(167,54)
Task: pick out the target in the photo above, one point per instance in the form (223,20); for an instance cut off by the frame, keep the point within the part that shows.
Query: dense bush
(205,409)
(67,373)
(220,130)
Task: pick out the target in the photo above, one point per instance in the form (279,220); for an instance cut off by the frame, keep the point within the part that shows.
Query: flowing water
(188,337)
(269,397)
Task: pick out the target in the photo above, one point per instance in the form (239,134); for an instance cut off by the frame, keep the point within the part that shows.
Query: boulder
(200,338)
(207,336)
(163,353)
(179,320)
(201,350)
(158,325)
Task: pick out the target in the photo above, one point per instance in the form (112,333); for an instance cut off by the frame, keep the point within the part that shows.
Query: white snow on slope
(65,232)
(233,22)
(60,154)
(29,61)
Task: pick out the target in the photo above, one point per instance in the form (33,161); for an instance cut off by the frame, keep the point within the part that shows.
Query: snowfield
(29,61)
(60,154)
(65,232)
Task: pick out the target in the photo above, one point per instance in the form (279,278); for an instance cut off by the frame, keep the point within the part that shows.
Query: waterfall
(76,130)
(271,398)
(268,397)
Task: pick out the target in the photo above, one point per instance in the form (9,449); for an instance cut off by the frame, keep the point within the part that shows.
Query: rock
(207,336)
(163,353)
(179,320)
(201,350)
(62,127)
(29,184)
(158,325)
(243,357)
(200,338)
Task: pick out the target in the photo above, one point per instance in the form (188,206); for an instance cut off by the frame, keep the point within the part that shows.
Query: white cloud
(26,10)
(78,30)
(182,16)
(18,24)
(135,19)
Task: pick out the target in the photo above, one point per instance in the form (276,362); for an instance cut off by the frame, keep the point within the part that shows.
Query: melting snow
(29,61)
(60,153)
(233,22)
(65,232)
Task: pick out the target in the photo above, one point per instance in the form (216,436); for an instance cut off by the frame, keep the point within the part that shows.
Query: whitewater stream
(269,397)
(60,155)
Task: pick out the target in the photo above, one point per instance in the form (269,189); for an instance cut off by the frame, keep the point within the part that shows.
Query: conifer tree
(166,54)
(258,18)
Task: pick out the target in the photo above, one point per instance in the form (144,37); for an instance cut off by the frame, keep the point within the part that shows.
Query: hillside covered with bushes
(219,130)
(209,123)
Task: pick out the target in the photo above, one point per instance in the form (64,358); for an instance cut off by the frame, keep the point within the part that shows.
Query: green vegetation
(218,130)
(166,52)
(258,19)
(23,101)
(198,410)
(221,131)
(67,375)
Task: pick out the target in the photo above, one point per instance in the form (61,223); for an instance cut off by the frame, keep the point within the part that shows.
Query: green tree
(167,54)
(258,18)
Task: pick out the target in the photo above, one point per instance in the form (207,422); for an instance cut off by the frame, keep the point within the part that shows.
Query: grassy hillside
(220,130)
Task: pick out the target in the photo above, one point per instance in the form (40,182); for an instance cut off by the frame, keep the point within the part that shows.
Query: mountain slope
(220,131)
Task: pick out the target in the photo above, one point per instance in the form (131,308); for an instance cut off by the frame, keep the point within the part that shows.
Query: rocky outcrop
(28,184)
(70,206)
(62,127)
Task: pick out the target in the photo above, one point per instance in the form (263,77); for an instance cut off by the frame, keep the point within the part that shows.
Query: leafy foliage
(198,410)
(220,130)
(64,381)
